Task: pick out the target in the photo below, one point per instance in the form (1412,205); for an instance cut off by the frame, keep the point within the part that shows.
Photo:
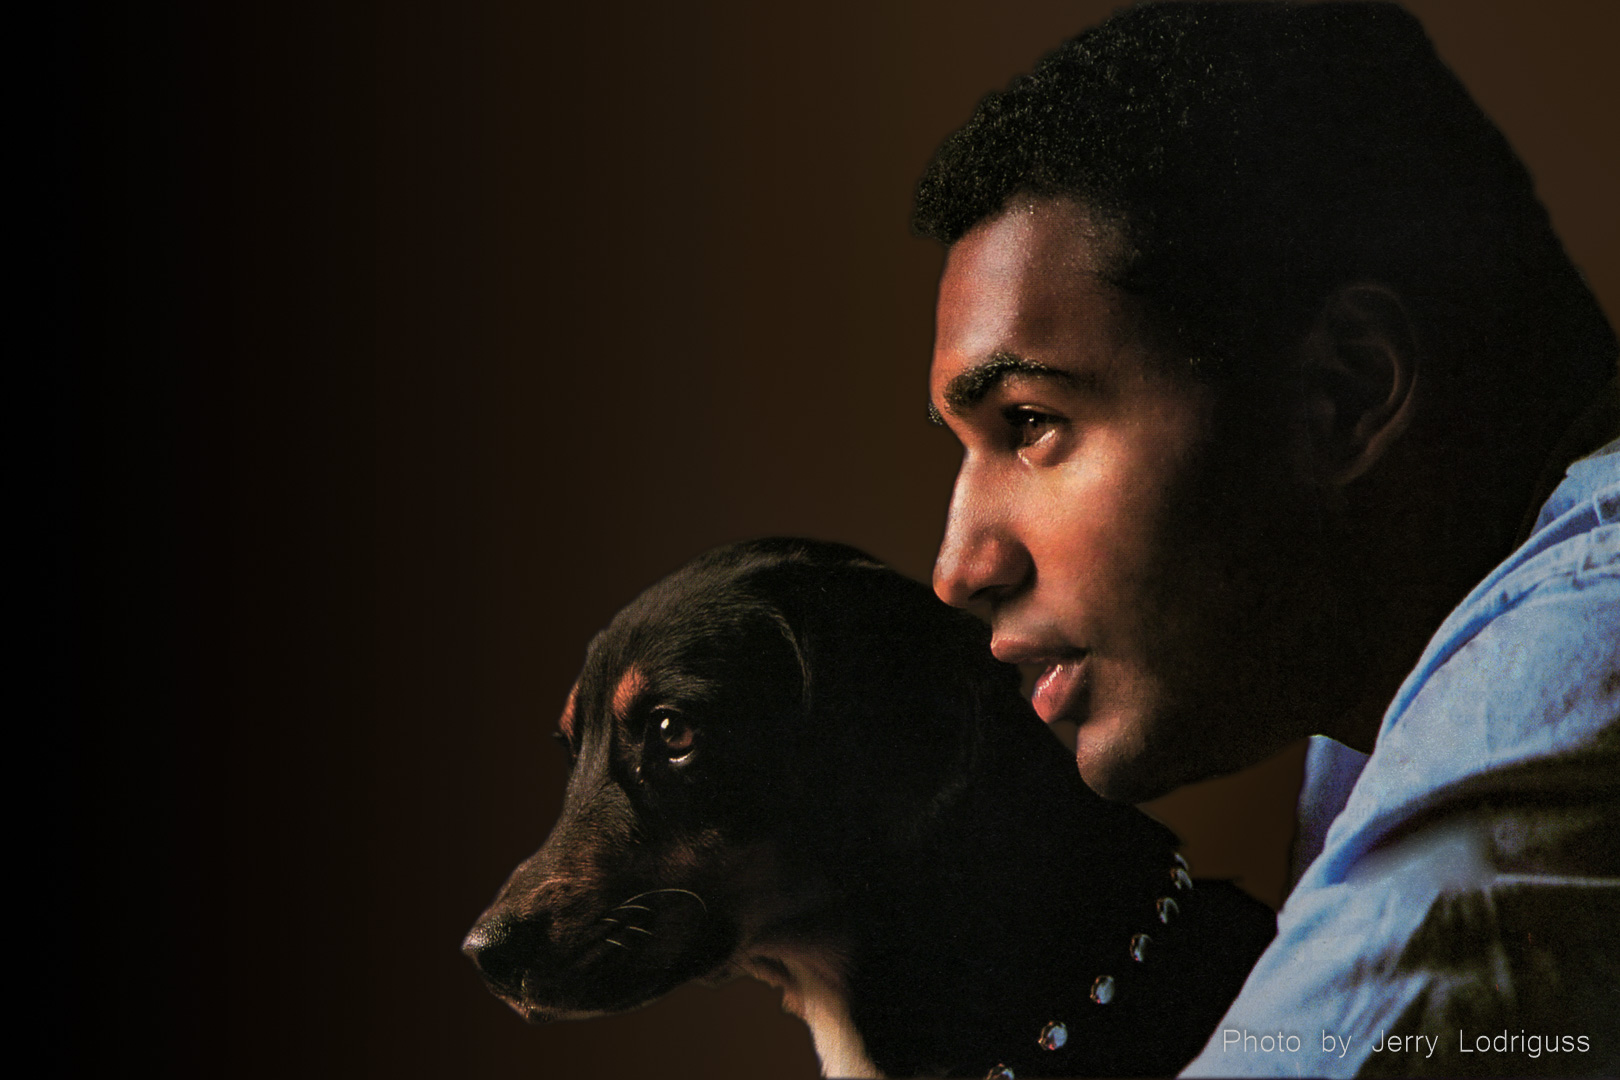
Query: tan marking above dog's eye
(630,686)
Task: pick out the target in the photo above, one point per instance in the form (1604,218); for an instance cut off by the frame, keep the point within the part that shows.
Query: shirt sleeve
(1471,888)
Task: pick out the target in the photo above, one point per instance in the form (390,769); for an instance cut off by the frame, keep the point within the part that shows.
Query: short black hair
(1253,158)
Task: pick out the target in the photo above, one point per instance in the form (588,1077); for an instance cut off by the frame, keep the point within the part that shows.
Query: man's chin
(1123,785)
(1118,763)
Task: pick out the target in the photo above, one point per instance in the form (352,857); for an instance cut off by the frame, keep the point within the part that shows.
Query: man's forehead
(1024,284)
(1053,237)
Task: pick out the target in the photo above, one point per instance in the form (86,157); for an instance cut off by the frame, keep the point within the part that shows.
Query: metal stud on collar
(1055,1034)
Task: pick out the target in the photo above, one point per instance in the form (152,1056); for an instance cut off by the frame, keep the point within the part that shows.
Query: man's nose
(980,560)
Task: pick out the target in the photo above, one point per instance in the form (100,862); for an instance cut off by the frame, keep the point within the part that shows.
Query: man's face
(1124,524)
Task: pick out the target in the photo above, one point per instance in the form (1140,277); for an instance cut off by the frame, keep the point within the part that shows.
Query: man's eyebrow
(970,387)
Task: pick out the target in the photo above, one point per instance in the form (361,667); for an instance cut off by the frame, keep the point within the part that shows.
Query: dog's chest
(813,989)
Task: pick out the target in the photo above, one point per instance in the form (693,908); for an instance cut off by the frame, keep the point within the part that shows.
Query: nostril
(980,572)
(502,950)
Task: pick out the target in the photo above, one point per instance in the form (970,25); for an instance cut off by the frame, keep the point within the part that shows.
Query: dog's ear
(893,684)
(566,722)
(801,660)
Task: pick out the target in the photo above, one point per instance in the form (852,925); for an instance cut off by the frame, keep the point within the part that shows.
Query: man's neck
(1418,611)
(1596,427)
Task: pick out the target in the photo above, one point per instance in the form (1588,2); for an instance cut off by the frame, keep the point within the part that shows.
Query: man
(1266,365)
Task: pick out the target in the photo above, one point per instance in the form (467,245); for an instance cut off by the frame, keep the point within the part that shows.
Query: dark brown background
(418,342)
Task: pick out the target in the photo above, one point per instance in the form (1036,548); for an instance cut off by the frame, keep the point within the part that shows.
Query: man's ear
(1359,374)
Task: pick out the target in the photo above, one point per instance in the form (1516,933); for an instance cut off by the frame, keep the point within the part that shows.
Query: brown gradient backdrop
(419,342)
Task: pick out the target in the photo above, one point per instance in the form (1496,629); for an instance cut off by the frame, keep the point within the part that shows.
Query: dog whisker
(656,892)
(615,941)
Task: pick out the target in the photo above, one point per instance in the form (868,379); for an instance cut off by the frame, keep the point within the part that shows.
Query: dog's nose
(502,950)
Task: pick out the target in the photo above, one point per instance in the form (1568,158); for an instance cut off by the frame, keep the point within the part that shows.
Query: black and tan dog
(791,762)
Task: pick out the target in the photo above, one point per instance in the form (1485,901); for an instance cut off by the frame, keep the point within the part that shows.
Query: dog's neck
(1014,924)
(1071,880)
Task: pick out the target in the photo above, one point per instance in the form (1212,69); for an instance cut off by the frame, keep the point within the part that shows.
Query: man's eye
(1029,425)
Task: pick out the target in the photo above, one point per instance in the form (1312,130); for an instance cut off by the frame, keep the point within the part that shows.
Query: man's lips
(1060,682)
(1058,686)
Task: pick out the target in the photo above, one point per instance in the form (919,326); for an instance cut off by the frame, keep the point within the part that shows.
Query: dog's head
(749,738)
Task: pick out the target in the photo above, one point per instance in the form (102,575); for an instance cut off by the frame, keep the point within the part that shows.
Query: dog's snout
(502,949)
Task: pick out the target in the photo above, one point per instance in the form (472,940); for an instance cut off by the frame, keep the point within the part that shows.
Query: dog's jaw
(811,979)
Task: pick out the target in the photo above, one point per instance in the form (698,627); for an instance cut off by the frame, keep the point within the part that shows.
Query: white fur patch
(812,983)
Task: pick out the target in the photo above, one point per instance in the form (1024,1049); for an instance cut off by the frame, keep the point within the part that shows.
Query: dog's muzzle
(633,952)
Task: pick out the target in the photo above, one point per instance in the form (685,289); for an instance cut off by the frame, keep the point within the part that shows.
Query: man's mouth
(1058,687)
(1059,668)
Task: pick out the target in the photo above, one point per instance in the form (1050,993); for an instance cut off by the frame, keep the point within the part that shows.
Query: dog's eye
(675,733)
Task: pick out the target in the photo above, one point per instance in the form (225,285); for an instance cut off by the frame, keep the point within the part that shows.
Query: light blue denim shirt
(1463,915)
